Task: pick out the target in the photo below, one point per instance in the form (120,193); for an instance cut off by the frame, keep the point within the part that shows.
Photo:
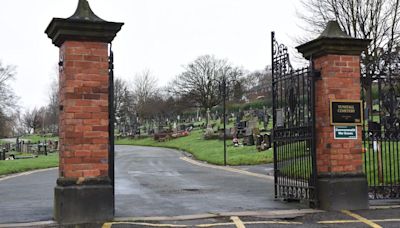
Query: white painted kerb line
(229,169)
(25,173)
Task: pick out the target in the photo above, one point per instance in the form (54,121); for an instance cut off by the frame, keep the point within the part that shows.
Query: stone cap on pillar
(84,25)
(333,40)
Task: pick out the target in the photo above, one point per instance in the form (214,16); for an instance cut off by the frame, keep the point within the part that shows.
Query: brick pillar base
(84,203)
(341,182)
(338,192)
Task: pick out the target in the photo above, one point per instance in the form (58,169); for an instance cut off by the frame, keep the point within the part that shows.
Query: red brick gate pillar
(84,191)
(341,183)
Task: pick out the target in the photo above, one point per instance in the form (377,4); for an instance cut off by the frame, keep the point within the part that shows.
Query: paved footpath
(375,218)
(149,182)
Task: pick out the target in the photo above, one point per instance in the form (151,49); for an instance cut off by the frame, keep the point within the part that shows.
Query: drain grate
(185,190)
(191,190)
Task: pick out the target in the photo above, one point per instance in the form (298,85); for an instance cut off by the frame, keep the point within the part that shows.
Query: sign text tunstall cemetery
(346,112)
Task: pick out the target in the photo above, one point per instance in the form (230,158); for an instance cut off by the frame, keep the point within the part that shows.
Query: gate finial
(84,12)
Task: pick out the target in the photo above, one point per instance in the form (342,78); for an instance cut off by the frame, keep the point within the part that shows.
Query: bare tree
(52,110)
(144,87)
(123,106)
(366,19)
(143,91)
(258,84)
(6,126)
(8,100)
(120,91)
(27,120)
(16,125)
(32,120)
(201,80)
(378,20)
(7,96)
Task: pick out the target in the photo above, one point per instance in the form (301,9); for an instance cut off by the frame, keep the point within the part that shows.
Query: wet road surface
(149,182)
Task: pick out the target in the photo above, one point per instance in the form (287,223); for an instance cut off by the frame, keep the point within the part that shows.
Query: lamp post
(224,83)
(224,113)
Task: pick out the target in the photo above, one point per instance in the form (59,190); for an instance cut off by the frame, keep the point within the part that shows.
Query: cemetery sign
(346,112)
(345,132)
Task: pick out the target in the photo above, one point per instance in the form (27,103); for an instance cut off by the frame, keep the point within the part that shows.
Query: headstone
(208,118)
(174,128)
(253,123)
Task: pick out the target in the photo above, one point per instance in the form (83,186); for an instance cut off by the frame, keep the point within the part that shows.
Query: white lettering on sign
(345,132)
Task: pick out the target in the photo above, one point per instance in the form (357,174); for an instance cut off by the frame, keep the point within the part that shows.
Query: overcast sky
(159,35)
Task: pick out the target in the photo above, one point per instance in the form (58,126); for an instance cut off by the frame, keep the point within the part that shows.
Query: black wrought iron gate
(293,128)
(111,118)
(381,132)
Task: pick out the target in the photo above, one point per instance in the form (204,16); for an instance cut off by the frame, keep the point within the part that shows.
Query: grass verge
(37,138)
(382,166)
(23,165)
(211,151)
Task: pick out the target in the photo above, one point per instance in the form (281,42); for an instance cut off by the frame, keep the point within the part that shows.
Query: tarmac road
(149,182)
(155,182)
(27,197)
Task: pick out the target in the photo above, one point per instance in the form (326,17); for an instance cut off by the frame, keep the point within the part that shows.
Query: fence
(27,147)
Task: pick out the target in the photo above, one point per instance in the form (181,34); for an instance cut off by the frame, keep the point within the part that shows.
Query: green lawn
(210,151)
(294,160)
(300,168)
(389,170)
(37,138)
(385,174)
(22,165)
(205,150)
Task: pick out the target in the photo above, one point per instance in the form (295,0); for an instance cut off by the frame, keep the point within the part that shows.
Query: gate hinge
(316,74)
